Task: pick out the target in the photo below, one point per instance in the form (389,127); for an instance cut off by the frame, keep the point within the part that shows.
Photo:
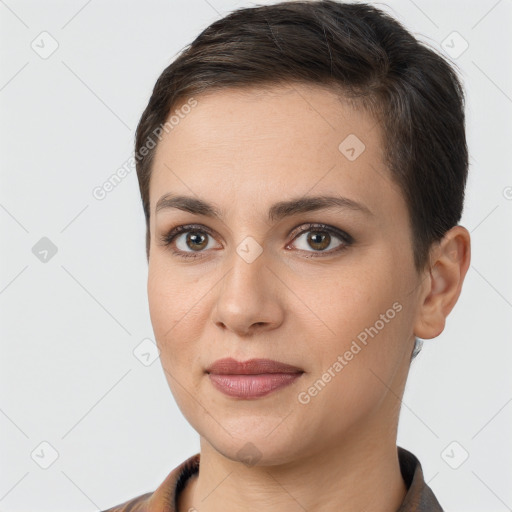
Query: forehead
(263,143)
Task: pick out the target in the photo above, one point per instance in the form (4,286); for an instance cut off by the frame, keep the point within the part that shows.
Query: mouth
(251,379)
(230,366)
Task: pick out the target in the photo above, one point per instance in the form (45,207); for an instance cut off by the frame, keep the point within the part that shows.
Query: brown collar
(419,497)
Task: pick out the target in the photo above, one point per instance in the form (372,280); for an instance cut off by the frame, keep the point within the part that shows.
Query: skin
(245,150)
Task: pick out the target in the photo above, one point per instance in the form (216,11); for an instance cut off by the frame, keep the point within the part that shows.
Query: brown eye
(196,241)
(322,239)
(188,241)
(193,241)
(319,240)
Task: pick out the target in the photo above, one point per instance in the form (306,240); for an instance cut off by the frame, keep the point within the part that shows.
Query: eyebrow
(276,212)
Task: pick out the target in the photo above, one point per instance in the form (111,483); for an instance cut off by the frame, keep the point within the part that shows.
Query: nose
(250,298)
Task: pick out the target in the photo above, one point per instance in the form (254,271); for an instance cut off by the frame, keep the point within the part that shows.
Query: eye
(320,237)
(189,240)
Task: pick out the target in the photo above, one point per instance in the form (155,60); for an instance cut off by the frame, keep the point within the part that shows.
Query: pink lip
(252,386)
(251,367)
(251,379)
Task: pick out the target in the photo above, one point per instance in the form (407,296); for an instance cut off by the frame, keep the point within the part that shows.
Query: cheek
(355,372)
(354,299)
(173,327)
(171,306)
(369,324)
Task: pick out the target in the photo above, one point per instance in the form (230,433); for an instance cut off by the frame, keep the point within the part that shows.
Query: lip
(230,366)
(251,379)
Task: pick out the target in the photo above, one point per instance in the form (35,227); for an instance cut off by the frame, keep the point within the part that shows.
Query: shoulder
(419,497)
(138,504)
(163,499)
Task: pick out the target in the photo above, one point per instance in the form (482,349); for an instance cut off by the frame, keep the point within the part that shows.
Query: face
(327,287)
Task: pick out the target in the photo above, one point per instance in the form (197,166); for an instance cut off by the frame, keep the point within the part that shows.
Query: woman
(302,170)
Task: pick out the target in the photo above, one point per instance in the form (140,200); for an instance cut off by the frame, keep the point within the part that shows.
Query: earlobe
(450,260)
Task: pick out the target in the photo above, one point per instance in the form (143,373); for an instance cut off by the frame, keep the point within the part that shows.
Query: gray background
(70,325)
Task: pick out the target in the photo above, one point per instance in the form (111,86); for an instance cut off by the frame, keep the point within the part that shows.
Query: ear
(449,262)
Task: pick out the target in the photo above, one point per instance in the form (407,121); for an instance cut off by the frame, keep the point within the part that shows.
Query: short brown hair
(359,50)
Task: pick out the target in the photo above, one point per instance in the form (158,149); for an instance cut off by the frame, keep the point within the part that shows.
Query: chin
(262,446)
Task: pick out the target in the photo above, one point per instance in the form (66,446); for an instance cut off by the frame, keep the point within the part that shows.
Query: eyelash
(347,240)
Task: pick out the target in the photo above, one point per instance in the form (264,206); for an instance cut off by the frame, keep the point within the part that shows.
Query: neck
(361,474)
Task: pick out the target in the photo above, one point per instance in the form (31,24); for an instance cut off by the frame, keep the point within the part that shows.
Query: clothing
(419,497)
